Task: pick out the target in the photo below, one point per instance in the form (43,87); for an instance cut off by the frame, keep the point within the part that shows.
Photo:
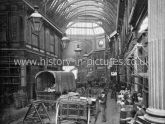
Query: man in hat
(103,100)
(101,106)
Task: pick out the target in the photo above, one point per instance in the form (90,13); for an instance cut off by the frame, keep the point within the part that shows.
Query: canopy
(59,79)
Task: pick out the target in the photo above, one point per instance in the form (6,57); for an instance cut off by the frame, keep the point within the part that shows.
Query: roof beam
(90,12)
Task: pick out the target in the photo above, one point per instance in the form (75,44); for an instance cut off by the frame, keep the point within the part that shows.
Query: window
(52,43)
(47,40)
(14,28)
(56,45)
(34,39)
(42,45)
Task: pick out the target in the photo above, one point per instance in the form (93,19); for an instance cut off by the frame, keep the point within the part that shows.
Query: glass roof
(62,12)
(85,24)
(84,28)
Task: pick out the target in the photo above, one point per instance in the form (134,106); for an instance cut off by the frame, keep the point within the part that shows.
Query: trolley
(51,84)
(72,110)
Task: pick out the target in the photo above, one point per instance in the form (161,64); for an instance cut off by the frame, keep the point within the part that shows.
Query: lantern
(36,20)
(78,50)
(85,55)
(65,40)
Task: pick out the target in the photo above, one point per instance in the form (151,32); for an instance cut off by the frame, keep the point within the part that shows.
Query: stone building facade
(19,44)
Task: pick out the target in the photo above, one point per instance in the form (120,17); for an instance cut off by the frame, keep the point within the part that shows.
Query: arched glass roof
(84,28)
(83,21)
(62,12)
(84,25)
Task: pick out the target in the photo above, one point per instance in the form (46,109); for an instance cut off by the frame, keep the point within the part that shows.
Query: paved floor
(112,114)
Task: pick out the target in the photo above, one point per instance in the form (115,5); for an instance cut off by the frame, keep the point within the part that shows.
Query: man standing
(101,106)
(103,100)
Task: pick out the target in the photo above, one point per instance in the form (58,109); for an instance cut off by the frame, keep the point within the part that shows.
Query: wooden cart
(72,110)
(51,84)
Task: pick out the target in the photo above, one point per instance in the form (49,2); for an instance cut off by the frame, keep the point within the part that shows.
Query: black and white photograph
(82,61)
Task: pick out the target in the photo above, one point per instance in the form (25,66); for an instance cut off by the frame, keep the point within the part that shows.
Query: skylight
(84,25)
(84,28)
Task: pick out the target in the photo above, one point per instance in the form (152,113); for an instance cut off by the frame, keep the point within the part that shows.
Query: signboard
(113,73)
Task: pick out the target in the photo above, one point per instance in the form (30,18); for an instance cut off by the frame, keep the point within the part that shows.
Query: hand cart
(72,110)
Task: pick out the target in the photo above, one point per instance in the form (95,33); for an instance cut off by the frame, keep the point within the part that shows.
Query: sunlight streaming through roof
(84,25)
(84,28)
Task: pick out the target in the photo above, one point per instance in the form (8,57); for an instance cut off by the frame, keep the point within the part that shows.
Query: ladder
(36,113)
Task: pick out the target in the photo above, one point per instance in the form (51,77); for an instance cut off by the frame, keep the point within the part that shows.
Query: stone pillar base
(155,116)
(142,120)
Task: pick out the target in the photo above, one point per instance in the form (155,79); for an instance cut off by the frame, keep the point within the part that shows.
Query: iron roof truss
(63,11)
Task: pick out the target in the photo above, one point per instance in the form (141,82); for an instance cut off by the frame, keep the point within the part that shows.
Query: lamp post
(78,52)
(85,55)
(65,40)
(36,20)
(118,53)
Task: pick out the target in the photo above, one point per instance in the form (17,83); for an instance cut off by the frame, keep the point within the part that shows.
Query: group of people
(126,97)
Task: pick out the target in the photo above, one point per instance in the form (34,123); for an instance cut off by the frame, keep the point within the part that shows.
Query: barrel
(125,113)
